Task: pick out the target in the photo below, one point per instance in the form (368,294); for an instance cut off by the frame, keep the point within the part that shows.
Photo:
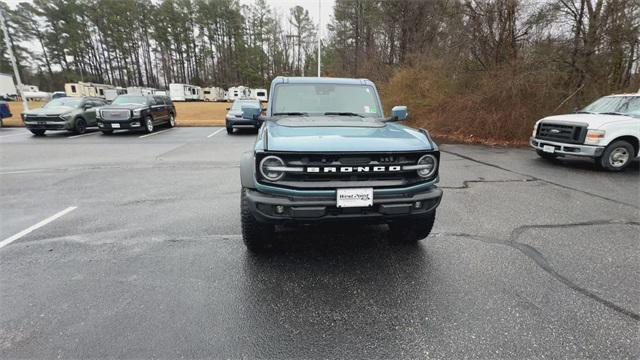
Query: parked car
(234,119)
(608,131)
(137,112)
(67,113)
(326,153)
(5,111)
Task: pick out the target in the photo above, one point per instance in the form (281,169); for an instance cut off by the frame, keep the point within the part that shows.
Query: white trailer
(36,95)
(138,90)
(260,94)
(160,92)
(180,92)
(213,94)
(24,88)
(7,86)
(86,89)
(236,92)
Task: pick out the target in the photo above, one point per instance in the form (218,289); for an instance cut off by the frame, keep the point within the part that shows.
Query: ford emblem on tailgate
(554,131)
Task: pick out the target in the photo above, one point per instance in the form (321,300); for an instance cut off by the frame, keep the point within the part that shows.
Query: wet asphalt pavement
(528,259)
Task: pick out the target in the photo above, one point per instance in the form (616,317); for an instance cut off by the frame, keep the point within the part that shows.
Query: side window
(167,100)
(73,89)
(158,100)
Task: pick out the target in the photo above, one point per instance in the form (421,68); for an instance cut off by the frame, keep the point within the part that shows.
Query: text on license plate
(115,125)
(354,197)
(548,148)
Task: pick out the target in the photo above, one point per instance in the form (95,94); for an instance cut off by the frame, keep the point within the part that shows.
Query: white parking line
(85,134)
(215,132)
(22,133)
(42,223)
(153,133)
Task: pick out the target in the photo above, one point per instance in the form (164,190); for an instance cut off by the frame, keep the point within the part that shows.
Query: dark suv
(136,112)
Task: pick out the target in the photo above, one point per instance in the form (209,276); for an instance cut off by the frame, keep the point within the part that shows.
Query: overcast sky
(282,6)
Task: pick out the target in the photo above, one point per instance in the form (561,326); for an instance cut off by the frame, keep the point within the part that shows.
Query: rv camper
(236,92)
(140,91)
(86,89)
(260,94)
(213,94)
(185,92)
(7,87)
(28,88)
(111,94)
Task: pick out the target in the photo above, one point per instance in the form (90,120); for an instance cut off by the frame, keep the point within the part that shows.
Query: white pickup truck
(608,131)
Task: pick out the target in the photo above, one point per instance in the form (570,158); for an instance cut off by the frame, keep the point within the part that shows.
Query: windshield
(237,105)
(628,105)
(126,100)
(323,98)
(69,102)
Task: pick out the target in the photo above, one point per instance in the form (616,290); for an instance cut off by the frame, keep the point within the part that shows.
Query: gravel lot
(528,259)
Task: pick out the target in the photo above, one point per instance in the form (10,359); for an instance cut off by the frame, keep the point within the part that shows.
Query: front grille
(355,178)
(44,118)
(119,114)
(565,132)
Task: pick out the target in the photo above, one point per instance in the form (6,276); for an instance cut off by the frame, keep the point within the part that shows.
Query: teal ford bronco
(326,153)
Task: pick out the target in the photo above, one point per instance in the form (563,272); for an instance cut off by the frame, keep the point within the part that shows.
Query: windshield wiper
(612,113)
(343,113)
(293,113)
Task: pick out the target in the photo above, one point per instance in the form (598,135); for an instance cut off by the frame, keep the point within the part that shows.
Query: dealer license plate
(354,197)
(115,125)
(549,149)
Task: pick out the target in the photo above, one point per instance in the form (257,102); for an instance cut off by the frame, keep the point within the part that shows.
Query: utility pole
(319,34)
(7,42)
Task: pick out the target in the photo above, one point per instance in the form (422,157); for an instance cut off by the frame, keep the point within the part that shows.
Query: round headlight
(428,165)
(266,166)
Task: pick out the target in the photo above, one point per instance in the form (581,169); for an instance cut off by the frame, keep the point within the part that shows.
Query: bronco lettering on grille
(349,169)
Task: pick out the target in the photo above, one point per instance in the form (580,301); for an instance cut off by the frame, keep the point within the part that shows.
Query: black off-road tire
(546,156)
(37,132)
(257,237)
(410,231)
(607,162)
(80,127)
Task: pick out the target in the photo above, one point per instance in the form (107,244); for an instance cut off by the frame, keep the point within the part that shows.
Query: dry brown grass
(189,113)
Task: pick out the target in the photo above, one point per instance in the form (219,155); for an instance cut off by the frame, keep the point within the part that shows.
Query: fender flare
(247,170)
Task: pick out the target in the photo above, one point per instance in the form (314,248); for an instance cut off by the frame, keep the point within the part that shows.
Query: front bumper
(567,149)
(120,124)
(308,210)
(241,123)
(47,125)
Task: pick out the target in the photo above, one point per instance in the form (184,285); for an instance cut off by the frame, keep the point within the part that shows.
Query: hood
(593,121)
(343,134)
(122,106)
(50,111)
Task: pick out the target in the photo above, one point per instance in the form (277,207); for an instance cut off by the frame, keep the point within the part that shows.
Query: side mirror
(399,113)
(86,107)
(250,111)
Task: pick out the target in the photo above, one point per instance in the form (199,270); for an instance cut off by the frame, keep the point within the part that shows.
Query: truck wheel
(172,121)
(148,124)
(37,132)
(545,155)
(257,236)
(229,130)
(411,231)
(616,156)
(80,126)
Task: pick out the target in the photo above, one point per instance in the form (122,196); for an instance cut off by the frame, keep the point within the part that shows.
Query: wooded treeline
(154,43)
(466,68)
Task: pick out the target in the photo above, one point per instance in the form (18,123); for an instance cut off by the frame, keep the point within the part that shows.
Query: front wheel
(410,231)
(80,127)
(37,132)
(617,156)
(229,130)
(257,236)
(148,124)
